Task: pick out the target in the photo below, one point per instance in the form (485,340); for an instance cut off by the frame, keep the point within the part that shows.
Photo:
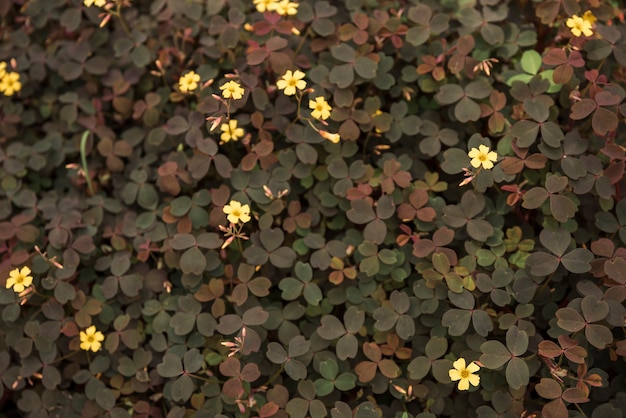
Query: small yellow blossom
(291,81)
(99,3)
(237,212)
(579,26)
(230,131)
(10,84)
(263,6)
(90,339)
(482,156)
(232,90)
(465,375)
(188,82)
(3,69)
(321,108)
(286,8)
(19,279)
(589,17)
(334,138)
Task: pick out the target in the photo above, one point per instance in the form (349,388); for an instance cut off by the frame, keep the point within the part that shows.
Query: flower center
(482,157)
(236,212)
(292,82)
(90,339)
(465,374)
(19,280)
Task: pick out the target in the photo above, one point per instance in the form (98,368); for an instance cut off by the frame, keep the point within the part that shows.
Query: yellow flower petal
(454,375)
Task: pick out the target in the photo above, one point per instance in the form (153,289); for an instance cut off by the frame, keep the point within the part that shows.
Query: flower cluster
(232,90)
(19,279)
(230,131)
(237,212)
(282,7)
(321,108)
(291,81)
(464,374)
(581,25)
(482,156)
(9,81)
(188,82)
(90,339)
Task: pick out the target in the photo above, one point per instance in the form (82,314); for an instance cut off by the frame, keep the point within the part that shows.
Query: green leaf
(516,341)
(182,323)
(328,369)
(441,263)
(436,347)
(449,93)
(531,61)
(347,347)
(343,52)
(555,240)
(342,75)
(418,367)
(457,321)
(171,366)
(330,328)
(323,387)
(495,354)
(361,212)
(193,261)
(182,388)
(345,381)
(467,110)
(525,132)
(284,257)
(562,208)
(517,373)
(105,398)
(542,264)
(312,294)
(365,67)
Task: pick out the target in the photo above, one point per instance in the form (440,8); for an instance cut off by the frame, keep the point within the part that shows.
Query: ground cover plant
(347,208)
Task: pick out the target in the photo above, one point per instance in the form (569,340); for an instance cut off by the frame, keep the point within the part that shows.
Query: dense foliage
(346,208)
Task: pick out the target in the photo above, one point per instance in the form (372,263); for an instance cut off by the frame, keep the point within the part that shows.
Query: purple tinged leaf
(330,328)
(598,335)
(569,319)
(578,260)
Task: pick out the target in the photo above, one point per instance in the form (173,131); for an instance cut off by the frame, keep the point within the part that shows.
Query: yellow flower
(99,3)
(482,156)
(236,212)
(589,17)
(3,69)
(579,26)
(291,81)
(465,375)
(90,339)
(285,7)
(19,279)
(334,138)
(188,82)
(321,108)
(230,131)
(10,84)
(265,5)
(233,90)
